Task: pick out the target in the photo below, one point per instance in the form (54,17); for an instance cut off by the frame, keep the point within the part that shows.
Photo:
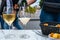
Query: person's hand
(14,12)
(30,2)
(16,6)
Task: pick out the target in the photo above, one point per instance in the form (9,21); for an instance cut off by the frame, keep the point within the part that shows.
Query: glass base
(24,36)
(9,36)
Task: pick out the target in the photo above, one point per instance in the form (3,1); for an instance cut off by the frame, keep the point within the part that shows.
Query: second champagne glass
(23,17)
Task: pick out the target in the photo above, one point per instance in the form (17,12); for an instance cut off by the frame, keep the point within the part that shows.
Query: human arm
(30,1)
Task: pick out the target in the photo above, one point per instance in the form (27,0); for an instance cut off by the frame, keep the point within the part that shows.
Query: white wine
(24,20)
(9,18)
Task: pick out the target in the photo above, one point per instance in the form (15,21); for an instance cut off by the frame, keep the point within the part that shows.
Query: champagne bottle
(23,3)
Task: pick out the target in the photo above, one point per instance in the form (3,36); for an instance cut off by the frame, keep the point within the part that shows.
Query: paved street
(32,25)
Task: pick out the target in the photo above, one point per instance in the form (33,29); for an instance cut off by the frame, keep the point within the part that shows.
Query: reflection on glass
(24,20)
(24,36)
(9,36)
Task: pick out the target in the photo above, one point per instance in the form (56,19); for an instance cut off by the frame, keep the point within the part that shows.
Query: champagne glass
(9,17)
(24,19)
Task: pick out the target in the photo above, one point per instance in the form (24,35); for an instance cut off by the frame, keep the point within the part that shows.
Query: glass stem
(12,26)
(9,28)
(23,12)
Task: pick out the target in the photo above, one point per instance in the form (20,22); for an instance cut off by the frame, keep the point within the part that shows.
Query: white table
(21,35)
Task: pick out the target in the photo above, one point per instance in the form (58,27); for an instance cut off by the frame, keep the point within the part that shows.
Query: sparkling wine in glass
(9,18)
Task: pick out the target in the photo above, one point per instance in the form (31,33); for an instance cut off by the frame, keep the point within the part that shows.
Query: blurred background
(34,14)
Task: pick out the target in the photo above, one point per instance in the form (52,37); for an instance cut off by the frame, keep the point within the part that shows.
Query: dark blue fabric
(49,17)
(2,22)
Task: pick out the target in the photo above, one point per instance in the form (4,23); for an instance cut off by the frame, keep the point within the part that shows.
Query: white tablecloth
(20,35)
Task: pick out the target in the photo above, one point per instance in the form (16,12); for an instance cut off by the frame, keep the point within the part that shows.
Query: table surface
(21,35)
